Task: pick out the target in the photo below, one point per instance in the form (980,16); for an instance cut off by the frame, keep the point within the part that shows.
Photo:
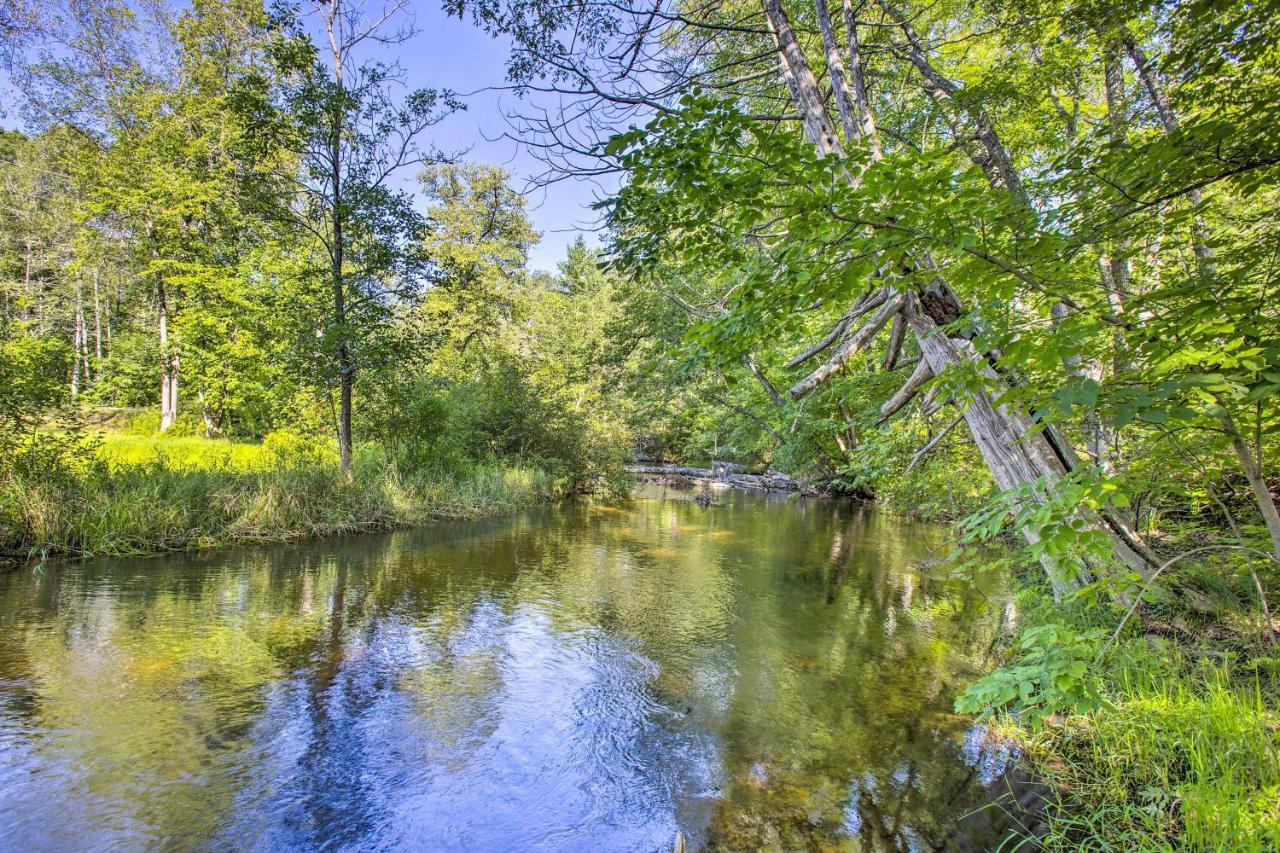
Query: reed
(188,495)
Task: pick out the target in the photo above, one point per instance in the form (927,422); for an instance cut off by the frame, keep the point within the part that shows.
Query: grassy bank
(185,453)
(1182,748)
(141,495)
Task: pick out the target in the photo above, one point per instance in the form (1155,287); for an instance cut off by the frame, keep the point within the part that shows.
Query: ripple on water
(753,673)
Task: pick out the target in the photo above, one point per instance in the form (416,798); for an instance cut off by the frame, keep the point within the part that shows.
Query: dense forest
(1010,266)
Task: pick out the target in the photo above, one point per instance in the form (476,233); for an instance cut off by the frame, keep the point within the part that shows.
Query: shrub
(290,449)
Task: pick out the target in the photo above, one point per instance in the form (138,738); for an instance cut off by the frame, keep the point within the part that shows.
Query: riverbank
(185,498)
(1181,749)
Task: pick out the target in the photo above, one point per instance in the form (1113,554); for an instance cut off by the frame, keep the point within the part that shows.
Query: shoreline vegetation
(1179,739)
(1177,745)
(1008,266)
(143,495)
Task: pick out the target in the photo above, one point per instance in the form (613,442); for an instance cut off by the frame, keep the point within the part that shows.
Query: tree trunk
(337,253)
(800,80)
(1117,130)
(861,104)
(839,85)
(212,418)
(1252,466)
(76,348)
(1017,455)
(1169,120)
(97,324)
(168,363)
(346,366)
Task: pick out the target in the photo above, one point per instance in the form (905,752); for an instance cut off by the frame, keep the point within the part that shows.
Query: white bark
(1017,455)
(922,374)
(168,364)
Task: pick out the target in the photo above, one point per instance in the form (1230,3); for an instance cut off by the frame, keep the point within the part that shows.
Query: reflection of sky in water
(988,753)
(510,768)
(757,674)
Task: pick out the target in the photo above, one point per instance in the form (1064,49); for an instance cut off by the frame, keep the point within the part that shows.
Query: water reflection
(761,673)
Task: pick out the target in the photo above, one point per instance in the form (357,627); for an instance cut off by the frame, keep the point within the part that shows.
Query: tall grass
(189,452)
(176,501)
(1184,754)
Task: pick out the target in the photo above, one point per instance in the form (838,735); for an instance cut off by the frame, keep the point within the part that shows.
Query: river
(762,673)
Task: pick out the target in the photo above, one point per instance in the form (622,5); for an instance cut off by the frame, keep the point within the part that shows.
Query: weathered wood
(854,344)
(835,70)
(861,104)
(922,374)
(769,481)
(1017,455)
(897,333)
(800,79)
(865,303)
(1014,454)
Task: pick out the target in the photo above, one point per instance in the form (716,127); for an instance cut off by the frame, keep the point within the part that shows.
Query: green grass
(186,453)
(1184,754)
(184,493)
(1180,763)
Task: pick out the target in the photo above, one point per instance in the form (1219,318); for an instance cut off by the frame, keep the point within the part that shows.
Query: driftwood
(770,481)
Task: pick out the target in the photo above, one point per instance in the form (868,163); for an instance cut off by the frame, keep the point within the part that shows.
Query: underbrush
(183,452)
(1179,747)
(176,500)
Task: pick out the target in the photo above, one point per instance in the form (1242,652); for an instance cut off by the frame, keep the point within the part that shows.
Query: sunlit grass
(187,452)
(1184,754)
(160,494)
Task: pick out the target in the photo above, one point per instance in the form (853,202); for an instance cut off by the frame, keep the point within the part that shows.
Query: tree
(477,238)
(351,136)
(966,230)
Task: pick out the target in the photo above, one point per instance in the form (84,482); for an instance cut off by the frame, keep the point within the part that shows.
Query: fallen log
(769,481)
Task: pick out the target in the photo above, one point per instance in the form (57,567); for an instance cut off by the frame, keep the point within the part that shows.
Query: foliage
(196,493)
(1177,751)
(1049,676)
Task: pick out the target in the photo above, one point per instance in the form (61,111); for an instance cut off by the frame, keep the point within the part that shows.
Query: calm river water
(762,673)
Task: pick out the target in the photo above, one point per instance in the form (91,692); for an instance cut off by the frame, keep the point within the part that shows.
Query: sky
(447,53)
(452,54)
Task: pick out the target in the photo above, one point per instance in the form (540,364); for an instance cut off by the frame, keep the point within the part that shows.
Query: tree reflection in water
(760,673)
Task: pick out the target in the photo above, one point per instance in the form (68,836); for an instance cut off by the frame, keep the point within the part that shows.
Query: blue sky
(447,53)
(453,54)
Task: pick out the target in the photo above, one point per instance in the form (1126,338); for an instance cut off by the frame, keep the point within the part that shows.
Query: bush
(498,413)
(290,449)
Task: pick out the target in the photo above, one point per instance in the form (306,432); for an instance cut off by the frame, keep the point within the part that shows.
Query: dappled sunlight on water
(761,673)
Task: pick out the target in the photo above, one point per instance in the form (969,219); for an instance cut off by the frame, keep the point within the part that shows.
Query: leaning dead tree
(606,65)
(1022,460)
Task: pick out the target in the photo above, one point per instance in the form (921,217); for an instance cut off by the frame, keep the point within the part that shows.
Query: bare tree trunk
(839,86)
(1252,466)
(337,254)
(346,365)
(26,275)
(168,363)
(76,347)
(861,104)
(1019,456)
(1117,128)
(996,163)
(1151,82)
(769,389)
(212,418)
(800,80)
(1016,456)
(97,324)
